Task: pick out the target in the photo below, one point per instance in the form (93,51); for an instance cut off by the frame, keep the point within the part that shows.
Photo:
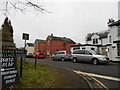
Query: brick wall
(54,45)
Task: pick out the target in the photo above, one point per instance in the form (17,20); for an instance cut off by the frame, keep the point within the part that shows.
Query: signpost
(25,37)
(9,70)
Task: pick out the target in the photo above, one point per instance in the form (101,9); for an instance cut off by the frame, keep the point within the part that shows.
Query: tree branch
(15,7)
(38,8)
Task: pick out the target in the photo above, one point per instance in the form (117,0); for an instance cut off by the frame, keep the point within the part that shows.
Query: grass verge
(42,77)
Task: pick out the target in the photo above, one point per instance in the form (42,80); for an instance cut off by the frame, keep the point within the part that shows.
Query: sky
(68,18)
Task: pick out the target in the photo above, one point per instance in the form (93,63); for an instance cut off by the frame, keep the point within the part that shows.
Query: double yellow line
(100,84)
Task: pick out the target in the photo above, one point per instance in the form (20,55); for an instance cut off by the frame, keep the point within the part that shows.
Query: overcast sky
(69,18)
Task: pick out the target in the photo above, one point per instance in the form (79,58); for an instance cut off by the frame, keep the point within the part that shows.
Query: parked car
(30,55)
(89,56)
(62,55)
(39,55)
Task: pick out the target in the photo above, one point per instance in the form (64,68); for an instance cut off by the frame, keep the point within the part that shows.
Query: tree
(20,5)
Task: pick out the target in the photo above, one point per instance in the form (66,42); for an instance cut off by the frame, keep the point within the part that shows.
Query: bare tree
(20,5)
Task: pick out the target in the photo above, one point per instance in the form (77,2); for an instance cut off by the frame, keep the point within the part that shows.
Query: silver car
(89,56)
(62,55)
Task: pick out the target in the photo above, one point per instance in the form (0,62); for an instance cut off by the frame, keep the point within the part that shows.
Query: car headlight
(102,58)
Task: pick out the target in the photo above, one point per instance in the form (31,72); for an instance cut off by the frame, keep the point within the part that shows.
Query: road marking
(101,76)
(86,74)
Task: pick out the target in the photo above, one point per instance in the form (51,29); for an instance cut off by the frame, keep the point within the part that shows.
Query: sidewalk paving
(69,79)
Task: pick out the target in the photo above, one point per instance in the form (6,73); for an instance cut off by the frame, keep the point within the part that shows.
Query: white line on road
(100,76)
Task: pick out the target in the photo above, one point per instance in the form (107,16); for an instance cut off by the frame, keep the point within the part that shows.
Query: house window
(92,48)
(118,49)
(83,48)
(48,42)
(119,30)
(48,52)
(109,39)
(95,41)
(57,50)
(76,48)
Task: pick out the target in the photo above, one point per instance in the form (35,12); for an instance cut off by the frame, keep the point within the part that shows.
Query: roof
(68,40)
(87,45)
(117,23)
(100,34)
(39,41)
(104,34)
(30,44)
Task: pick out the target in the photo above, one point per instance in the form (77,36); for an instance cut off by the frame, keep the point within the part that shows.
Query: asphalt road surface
(106,74)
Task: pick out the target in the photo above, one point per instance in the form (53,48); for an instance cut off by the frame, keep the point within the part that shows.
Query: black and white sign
(9,71)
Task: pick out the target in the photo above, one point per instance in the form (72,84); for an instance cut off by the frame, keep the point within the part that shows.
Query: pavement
(70,79)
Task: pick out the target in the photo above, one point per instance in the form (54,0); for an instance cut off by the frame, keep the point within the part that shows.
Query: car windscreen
(41,53)
(68,52)
(95,52)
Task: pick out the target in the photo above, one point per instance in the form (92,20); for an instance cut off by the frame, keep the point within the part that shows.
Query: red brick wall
(53,45)
(39,47)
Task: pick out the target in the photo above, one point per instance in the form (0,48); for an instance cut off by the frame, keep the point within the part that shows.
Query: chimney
(52,34)
(110,21)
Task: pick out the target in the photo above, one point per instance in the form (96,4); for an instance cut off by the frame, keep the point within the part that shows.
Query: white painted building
(30,48)
(119,10)
(107,43)
(114,41)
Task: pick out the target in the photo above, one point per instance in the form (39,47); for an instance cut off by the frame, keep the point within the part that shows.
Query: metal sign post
(25,37)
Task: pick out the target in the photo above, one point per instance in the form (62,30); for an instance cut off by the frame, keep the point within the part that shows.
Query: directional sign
(8,69)
(9,72)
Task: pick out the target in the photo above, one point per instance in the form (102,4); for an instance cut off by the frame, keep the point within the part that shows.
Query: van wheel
(95,61)
(74,60)
(62,59)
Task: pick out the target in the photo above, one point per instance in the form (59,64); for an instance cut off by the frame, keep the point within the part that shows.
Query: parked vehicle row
(36,55)
(81,55)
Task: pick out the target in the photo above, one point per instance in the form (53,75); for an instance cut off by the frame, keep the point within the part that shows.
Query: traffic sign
(25,36)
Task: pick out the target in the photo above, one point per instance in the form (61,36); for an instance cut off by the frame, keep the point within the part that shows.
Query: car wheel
(95,61)
(62,59)
(53,59)
(74,60)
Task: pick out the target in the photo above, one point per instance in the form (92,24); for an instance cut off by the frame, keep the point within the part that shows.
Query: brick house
(54,43)
(39,45)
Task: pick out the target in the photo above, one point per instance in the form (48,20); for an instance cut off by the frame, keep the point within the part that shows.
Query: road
(107,74)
